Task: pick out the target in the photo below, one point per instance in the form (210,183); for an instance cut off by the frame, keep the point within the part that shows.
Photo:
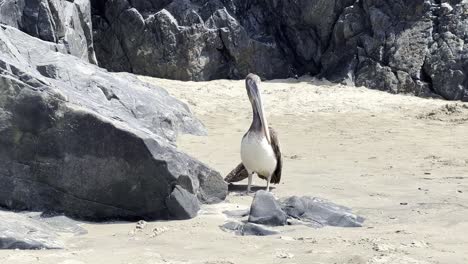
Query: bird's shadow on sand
(242,188)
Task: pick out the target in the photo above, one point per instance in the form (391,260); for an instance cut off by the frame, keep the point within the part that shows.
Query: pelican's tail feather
(237,174)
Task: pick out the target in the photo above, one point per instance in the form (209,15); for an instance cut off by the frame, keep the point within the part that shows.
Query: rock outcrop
(316,212)
(66,22)
(185,40)
(401,46)
(266,212)
(78,140)
(32,231)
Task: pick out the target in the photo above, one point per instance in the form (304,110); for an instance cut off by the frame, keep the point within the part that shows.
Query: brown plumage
(239,173)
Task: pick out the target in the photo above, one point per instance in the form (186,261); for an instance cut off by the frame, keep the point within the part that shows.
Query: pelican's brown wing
(239,173)
(276,177)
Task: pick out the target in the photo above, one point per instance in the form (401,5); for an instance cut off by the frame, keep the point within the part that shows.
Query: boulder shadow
(242,188)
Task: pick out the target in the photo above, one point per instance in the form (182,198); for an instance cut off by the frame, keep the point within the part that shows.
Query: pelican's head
(252,83)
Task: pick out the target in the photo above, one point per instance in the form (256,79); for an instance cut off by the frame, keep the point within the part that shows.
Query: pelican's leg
(250,181)
(268,183)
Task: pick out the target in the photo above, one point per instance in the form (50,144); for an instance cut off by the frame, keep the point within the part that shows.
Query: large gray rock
(293,210)
(91,144)
(319,213)
(31,231)
(417,47)
(265,210)
(316,212)
(58,21)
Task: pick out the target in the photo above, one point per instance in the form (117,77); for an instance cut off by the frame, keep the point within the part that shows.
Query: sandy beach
(399,161)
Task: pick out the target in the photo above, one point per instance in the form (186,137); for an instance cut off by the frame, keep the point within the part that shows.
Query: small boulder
(182,204)
(320,212)
(247,229)
(232,226)
(266,210)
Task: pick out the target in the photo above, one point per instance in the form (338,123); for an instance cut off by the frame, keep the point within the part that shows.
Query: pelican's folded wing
(275,144)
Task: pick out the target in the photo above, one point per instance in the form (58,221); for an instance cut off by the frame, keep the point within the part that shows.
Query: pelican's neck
(256,125)
(259,123)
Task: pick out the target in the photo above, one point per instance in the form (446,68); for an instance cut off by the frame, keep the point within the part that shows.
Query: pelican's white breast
(257,155)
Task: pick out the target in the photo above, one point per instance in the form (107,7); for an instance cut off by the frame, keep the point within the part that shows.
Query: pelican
(260,149)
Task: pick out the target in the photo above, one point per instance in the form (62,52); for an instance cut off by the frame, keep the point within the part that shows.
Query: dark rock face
(58,21)
(94,145)
(186,40)
(31,231)
(265,210)
(446,64)
(399,46)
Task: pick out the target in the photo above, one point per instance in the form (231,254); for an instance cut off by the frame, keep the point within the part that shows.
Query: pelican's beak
(256,99)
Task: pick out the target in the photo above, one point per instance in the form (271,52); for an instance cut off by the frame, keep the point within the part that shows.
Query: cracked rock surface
(94,145)
(67,23)
(417,47)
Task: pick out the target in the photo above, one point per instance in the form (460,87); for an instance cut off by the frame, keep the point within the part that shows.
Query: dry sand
(399,161)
